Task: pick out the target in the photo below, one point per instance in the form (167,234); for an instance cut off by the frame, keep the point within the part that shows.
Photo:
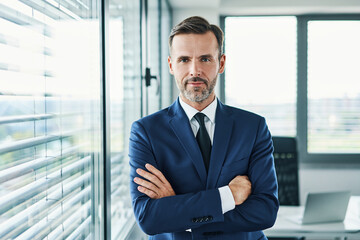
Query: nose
(195,70)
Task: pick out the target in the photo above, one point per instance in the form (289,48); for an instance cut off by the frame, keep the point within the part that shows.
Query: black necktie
(203,140)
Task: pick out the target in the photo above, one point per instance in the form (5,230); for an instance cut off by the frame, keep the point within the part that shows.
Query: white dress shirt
(227,199)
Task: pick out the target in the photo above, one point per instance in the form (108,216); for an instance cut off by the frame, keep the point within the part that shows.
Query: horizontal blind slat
(47,9)
(78,233)
(22,19)
(43,204)
(25,118)
(58,232)
(45,224)
(16,197)
(31,142)
(27,167)
(26,143)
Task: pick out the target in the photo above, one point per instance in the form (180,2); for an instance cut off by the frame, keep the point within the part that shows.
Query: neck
(199,105)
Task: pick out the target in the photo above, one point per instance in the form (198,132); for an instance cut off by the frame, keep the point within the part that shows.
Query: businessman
(201,169)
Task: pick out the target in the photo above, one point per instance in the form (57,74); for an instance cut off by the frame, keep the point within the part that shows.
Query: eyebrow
(202,56)
(206,56)
(182,57)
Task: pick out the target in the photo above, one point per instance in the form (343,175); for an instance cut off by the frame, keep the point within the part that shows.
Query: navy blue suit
(242,145)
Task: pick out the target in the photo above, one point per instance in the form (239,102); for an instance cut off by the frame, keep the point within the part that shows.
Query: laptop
(324,208)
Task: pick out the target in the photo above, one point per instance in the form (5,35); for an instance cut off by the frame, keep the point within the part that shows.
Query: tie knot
(200,118)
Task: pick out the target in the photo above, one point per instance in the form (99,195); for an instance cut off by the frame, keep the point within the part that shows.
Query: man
(201,176)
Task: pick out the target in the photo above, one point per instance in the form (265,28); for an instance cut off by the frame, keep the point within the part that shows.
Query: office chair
(287,172)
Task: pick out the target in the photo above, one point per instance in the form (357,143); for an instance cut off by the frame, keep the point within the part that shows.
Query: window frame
(302,98)
(70,166)
(302,86)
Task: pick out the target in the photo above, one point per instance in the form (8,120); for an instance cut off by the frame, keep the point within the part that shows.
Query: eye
(183,60)
(205,59)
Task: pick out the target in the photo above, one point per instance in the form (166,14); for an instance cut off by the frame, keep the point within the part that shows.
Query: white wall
(312,179)
(211,14)
(328,179)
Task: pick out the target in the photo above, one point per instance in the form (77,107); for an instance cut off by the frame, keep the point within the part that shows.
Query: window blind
(49,119)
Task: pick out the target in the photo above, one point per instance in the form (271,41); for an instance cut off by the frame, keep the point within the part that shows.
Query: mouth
(196,82)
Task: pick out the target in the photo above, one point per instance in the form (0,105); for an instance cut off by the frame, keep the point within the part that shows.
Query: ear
(170,65)
(222,63)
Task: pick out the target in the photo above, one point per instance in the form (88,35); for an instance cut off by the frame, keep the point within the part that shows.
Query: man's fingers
(154,183)
(146,184)
(147,192)
(151,177)
(156,172)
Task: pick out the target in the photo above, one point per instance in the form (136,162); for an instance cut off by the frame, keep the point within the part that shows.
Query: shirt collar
(209,111)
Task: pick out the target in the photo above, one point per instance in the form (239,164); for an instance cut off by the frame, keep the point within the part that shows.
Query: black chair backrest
(286,166)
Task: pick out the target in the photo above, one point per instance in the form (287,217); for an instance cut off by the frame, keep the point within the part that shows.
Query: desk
(350,228)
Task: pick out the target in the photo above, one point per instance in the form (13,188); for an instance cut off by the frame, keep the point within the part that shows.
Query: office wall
(324,179)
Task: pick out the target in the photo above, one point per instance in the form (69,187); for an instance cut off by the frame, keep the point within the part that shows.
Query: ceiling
(194,3)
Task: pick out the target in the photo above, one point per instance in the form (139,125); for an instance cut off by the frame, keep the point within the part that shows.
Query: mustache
(196,79)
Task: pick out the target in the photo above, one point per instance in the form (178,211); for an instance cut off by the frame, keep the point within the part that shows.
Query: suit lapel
(223,128)
(179,123)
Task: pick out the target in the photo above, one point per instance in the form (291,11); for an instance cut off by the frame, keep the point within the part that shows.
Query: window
(125,82)
(333,86)
(165,77)
(301,73)
(261,69)
(124,99)
(49,120)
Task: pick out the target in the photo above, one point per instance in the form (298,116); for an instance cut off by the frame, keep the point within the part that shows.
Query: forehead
(189,44)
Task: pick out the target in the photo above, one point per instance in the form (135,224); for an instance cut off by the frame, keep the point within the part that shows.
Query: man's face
(195,64)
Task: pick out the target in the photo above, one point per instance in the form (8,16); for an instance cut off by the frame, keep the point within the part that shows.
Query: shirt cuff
(227,199)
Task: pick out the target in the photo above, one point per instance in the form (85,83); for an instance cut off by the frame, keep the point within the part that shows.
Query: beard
(197,94)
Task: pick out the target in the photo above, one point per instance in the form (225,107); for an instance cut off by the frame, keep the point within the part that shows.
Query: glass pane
(333,87)
(166,79)
(261,69)
(49,120)
(153,99)
(124,81)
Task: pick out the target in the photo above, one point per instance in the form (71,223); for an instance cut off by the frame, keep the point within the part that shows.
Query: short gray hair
(197,25)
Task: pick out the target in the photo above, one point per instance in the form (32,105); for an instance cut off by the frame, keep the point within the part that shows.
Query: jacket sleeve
(168,214)
(259,211)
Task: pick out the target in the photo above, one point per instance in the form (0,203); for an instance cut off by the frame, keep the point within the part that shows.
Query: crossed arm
(157,186)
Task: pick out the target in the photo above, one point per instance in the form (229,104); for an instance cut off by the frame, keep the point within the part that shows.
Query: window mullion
(302,105)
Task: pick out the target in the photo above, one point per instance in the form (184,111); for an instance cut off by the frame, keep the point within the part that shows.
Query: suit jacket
(242,145)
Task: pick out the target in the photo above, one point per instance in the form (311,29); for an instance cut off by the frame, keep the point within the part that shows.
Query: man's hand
(240,188)
(157,186)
